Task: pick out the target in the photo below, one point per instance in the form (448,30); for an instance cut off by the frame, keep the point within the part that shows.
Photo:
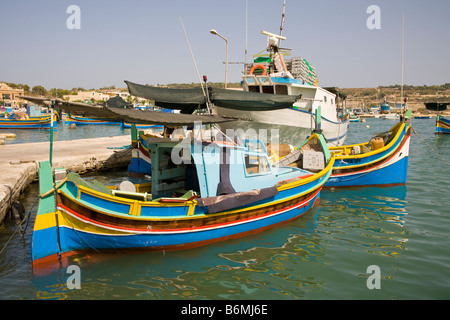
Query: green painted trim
(46,204)
(134,135)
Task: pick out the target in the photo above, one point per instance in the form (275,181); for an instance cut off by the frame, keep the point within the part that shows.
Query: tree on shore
(39,90)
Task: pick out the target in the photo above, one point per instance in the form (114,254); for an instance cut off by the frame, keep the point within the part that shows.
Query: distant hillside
(416,95)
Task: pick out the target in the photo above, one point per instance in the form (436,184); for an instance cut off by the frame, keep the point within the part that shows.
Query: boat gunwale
(396,140)
(305,200)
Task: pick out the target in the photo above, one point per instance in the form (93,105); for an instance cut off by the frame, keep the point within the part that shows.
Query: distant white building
(87,95)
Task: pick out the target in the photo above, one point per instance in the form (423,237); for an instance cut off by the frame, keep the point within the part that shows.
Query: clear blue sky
(143,41)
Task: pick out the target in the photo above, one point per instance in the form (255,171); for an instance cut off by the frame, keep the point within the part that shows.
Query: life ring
(258,66)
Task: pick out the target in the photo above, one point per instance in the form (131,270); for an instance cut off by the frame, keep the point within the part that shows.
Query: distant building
(9,95)
(87,96)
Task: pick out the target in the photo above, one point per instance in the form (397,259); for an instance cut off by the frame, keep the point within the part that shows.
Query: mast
(403,45)
(282,22)
(246,32)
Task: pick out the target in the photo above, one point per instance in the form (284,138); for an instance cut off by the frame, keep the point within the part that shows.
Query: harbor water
(329,253)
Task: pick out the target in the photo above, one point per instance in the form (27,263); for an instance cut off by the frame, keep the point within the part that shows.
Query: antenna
(270,34)
(282,21)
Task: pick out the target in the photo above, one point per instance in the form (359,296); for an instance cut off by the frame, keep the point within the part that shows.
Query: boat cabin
(216,166)
(212,169)
(311,96)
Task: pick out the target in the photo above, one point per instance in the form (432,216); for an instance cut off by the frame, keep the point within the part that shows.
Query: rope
(27,216)
(19,227)
(431,148)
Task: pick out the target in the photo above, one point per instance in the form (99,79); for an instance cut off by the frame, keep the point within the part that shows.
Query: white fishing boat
(294,124)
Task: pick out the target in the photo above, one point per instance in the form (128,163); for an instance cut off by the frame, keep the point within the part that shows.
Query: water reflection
(292,261)
(229,269)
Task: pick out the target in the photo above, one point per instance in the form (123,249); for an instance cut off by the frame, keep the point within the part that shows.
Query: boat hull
(85,220)
(79,120)
(388,166)
(36,123)
(442,125)
(128,125)
(75,237)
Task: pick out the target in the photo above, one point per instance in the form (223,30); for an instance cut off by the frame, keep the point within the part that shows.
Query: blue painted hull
(31,123)
(442,125)
(388,166)
(142,126)
(78,120)
(76,239)
(391,175)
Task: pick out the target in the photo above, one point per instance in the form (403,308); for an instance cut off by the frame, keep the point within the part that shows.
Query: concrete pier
(19,162)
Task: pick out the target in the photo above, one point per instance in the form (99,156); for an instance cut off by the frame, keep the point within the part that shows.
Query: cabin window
(331,101)
(281,89)
(325,99)
(253,88)
(255,164)
(268,89)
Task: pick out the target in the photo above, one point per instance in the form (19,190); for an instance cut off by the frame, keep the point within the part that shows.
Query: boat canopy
(187,100)
(117,108)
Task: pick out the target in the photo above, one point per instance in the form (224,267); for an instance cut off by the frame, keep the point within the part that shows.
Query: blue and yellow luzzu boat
(381,161)
(128,125)
(200,192)
(16,122)
(442,125)
(86,120)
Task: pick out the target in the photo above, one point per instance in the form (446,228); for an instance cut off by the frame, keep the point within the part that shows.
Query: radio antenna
(282,22)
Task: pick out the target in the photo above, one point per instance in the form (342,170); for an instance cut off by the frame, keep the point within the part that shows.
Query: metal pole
(213,31)
(226,66)
(51,133)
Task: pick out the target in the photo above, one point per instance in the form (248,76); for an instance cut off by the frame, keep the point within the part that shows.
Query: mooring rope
(431,148)
(27,216)
(19,227)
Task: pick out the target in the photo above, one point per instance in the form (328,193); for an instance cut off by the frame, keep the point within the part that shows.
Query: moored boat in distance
(442,125)
(81,120)
(383,160)
(31,118)
(16,122)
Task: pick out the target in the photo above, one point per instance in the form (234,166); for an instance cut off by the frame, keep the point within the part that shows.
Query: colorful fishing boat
(442,125)
(271,74)
(201,191)
(383,160)
(128,125)
(16,121)
(141,163)
(355,118)
(81,120)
